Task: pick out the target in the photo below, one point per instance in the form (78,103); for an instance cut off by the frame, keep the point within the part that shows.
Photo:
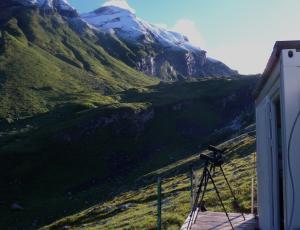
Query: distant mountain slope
(156,51)
(45,61)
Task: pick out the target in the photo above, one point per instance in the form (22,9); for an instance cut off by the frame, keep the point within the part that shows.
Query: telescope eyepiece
(216,158)
(216,149)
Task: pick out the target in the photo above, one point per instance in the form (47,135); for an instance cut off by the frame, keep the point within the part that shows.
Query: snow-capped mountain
(157,51)
(112,18)
(62,6)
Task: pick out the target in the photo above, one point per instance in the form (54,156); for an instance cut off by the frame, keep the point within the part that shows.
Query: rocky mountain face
(154,50)
(60,6)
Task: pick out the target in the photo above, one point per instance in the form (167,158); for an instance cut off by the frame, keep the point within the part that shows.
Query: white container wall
(278,139)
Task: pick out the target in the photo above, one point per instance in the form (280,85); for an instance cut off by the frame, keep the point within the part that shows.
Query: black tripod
(209,167)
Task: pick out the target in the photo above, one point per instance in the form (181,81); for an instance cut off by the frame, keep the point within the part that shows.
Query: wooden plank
(219,221)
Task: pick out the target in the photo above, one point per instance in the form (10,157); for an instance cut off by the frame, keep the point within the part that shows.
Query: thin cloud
(189,28)
(119,3)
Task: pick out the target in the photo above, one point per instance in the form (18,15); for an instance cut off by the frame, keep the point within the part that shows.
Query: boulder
(16,207)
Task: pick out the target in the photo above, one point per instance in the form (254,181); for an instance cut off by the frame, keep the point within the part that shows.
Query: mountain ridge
(158,51)
(62,6)
(146,47)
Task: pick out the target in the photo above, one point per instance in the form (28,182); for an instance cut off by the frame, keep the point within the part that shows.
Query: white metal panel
(288,72)
(264,171)
(274,94)
(290,87)
(273,79)
(266,153)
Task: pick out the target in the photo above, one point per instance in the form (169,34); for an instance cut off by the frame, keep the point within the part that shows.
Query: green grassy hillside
(136,209)
(44,63)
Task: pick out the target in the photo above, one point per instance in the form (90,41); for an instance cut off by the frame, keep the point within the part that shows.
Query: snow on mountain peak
(125,23)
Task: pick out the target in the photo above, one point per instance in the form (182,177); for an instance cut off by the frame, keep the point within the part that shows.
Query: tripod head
(216,158)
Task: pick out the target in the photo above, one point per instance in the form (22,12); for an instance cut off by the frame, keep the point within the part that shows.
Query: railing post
(252,195)
(159,203)
(192,185)
(253,184)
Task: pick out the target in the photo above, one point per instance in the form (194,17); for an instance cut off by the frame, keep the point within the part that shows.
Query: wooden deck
(219,221)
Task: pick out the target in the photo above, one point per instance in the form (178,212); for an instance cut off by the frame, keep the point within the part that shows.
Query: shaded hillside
(136,209)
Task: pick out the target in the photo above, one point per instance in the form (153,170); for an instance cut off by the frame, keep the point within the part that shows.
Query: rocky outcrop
(181,65)
(16,207)
(135,120)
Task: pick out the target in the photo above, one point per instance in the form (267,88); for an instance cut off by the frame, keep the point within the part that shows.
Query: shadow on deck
(219,221)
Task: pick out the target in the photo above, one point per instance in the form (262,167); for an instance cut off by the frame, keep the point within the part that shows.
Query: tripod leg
(205,186)
(232,193)
(197,197)
(203,192)
(205,181)
(218,194)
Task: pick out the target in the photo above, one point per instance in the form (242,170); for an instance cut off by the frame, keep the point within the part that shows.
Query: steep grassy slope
(44,63)
(75,156)
(136,209)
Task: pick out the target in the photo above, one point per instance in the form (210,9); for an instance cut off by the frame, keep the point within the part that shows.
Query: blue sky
(240,33)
